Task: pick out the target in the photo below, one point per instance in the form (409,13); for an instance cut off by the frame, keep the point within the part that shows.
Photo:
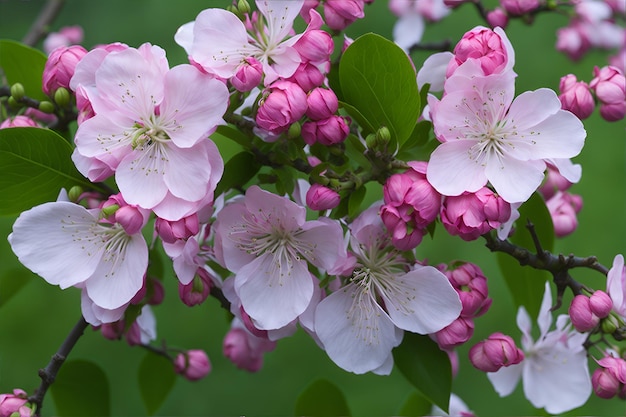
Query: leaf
(378,79)
(420,145)
(426,367)
(526,284)
(156,380)
(34,165)
(354,204)
(11,282)
(356,115)
(81,389)
(238,171)
(23,64)
(416,405)
(322,398)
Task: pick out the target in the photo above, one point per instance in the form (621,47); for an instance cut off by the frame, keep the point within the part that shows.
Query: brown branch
(39,28)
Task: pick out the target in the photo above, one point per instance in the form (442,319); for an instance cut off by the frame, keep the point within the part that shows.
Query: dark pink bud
(471,284)
(322,103)
(60,67)
(554,182)
(496,351)
(246,350)
(307,76)
(171,231)
(484,45)
(113,331)
(11,403)
(600,303)
(605,384)
(197,290)
(340,14)
(497,18)
(576,97)
(581,315)
(18,121)
(193,364)
(248,75)
(131,218)
(285,104)
(319,197)
(328,132)
(563,208)
(519,7)
(315,46)
(455,334)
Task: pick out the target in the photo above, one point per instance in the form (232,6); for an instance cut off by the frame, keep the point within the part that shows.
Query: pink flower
(285,104)
(330,131)
(267,243)
(69,245)
(497,351)
(60,67)
(319,197)
(576,97)
(573,41)
(340,14)
(616,285)
(219,42)
(14,403)
(244,349)
(489,137)
(609,85)
(361,322)
(193,364)
(409,28)
(152,120)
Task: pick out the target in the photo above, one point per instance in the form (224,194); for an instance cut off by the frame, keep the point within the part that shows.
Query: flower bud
(340,14)
(315,46)
(18,121)
(113,331)
(576,97)
(455,334)
(609,85)
(130,218)
(62,97)
(609,380)
(497,18)
(321,103)
(319,197)
(13,403)
(600,303)
(328,132)
(197,290)
(285,104)
(193,364)
(554,182)
(172,230)
(307,76)
(17,91)
(484,45)
(248,75)
(244,349)
(563,208)
(60,67)
(519,7)
(44,106)
(581,315)
(496,351)
(471,284)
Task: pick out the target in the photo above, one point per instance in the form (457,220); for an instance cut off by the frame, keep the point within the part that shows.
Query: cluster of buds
(587,312)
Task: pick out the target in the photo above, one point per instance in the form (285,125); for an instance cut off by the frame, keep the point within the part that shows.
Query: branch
(39,29)
(49,373)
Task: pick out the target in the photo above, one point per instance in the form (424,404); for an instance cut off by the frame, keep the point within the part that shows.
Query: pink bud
(197,290)
(322,103)
(172,230)
(319,197)
(248,75)
(605,384)
(600,303)
(455,334)
(66,36)
(131,218)
(581,315)
(554,182)
(193,364)
(471,284)
(563,208)
(497,18)
(484,45)
(315,46)
(576,97)
(519,7)
(113,331)
(18,121)
(60,67)
(307,76)
(455,3)
(285,104)
(573,41)
(246,350)
(496,351)
(330,131)
(11,403)
(340,14)
(609,84)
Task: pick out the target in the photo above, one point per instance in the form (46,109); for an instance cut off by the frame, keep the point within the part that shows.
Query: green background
(34,322)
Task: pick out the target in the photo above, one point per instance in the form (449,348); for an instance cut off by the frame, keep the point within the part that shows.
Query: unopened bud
(383,135)
(193,364)
(243,6)
(609,324)
(17,91)
(62,97)
(109,210)
(13,103)
(74,193)
(371,141)
(46,107)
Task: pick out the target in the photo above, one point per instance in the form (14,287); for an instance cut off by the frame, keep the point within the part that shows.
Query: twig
(49,373)
(39,28)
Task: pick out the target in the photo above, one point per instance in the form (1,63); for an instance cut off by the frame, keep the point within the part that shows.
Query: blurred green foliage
(34,322)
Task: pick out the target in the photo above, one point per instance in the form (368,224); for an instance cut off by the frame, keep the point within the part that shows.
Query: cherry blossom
(554,371)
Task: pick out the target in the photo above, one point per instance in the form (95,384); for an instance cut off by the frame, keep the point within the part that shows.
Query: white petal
(505,380)
(321,242)
(147,324)
(186,171)
(120,274)
(524,324)
(422,301)
(356,333)
(279,16)
(544,319)
(433,71)
(451,171)
(387,366)
(408,31)
(514,180)
(139,175)
(572,172)
(96,315)
(274,290)
(56,241)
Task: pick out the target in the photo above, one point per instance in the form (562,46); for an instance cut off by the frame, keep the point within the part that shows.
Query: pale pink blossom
(554,371)
(616,285)
(151,128)
(489,137)
(412,16)
(267,243)
(68,245)
(360,323)
(573,41)
(66,36)
(219,42)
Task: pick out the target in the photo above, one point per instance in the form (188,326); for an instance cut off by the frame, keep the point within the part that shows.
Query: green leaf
(420,145)
(378,79)
(81,389)
(322,398)
(23,64)
(356,115)
(11,282)
(354,204)
(355,151)
(34,165)
(416,405)
(527,284)
(426,367)
(238,171)
(156,380)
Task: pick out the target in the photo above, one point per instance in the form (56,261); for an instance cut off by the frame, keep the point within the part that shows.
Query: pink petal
(514,180)
(186,172)
(140,176)
(451,171)
(505,380)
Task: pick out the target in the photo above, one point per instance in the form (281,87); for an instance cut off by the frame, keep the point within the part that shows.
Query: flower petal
(139,175)
(506,378)
(514,180)
(408,31)
(451,171)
